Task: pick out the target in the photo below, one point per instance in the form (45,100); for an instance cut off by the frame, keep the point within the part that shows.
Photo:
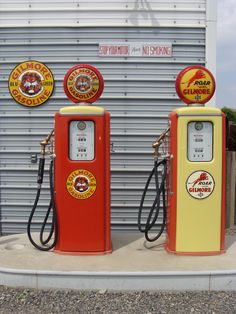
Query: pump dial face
(198,126)
(200,141)
(81,125)
(82,145)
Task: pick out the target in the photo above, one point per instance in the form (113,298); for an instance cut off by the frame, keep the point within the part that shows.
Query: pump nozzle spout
(46,142)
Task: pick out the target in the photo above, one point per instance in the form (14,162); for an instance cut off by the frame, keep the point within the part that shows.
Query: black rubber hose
(54,228)
(155,208)
(42,241)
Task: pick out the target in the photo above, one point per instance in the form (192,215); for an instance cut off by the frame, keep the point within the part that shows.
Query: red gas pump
(81,192)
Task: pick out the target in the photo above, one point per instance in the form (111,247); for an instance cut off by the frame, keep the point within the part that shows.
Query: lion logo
(31,84)
(83,83)
(81,184)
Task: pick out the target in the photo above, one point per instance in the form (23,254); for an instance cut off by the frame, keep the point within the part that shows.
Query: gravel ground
(20,300)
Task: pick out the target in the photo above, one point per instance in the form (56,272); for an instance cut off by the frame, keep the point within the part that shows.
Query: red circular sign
(195,84)
(83,83)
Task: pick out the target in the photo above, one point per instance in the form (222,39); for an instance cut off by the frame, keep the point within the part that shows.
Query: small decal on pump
(200,184)
(81,184)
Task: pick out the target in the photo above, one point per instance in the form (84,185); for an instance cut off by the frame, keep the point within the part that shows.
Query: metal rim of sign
(81,184)
(200,184)
(83,83)
(199,74)
(31,83)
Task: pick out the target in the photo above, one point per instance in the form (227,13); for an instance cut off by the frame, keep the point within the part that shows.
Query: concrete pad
(134,264)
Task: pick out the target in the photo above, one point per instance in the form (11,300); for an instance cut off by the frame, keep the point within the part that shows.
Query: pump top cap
(195,84)
(83,83)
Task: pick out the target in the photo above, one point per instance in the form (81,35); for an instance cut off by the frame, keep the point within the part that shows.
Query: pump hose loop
(155,208)
(51,206)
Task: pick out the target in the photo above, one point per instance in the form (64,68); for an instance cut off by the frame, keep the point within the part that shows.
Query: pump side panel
(199,221)
(84,224)
(172,185)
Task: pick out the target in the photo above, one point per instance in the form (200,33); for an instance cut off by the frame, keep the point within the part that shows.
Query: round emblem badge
(31,83)
(195,84)
(81,184)
(200,184)
(83,83)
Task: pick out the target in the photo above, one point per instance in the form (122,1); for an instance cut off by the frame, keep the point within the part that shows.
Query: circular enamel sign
(200,184)
(81,184)
(31,83)
(195,84)
(83,83)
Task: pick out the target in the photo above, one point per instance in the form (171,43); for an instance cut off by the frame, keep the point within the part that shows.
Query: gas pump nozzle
(47,141)
(159,141)
(44,143)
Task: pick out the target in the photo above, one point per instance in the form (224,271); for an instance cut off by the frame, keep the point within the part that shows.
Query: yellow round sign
(31,83)
(195,84)
(81,184)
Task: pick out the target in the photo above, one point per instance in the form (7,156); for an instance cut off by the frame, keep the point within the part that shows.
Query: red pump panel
(82,187)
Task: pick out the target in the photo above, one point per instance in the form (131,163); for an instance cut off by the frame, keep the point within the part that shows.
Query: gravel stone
(25,301)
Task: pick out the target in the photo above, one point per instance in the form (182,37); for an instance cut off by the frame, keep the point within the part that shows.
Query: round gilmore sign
(81,184)
(195,84)
(31,83)
(83,83)
(200,184)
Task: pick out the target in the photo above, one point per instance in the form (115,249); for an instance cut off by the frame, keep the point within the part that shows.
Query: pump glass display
(200,141)
(81,146)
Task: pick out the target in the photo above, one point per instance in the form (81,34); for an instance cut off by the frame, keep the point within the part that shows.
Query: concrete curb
(158,280)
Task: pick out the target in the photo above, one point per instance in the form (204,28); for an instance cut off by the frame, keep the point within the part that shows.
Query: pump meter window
(200,141)
(81,146)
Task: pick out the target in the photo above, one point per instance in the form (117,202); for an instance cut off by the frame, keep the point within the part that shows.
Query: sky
(226,54)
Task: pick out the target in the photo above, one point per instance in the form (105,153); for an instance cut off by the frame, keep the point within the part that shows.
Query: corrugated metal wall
(139,92)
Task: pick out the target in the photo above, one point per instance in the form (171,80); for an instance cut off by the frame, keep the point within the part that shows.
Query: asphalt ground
(24,301)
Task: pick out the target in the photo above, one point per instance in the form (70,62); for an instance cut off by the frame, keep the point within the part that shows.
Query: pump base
(82,253)
(195,253)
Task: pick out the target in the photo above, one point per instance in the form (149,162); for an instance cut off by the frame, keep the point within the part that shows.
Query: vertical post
(210,55)
(230,190)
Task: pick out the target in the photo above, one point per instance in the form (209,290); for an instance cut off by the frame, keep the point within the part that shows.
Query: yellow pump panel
(198,226)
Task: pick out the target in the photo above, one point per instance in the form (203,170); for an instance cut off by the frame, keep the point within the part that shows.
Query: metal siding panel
(139,93)
(101,13)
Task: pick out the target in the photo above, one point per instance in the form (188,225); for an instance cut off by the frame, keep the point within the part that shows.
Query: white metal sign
(135,50)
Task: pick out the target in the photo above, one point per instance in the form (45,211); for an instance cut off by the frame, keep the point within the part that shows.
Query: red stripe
(223,197)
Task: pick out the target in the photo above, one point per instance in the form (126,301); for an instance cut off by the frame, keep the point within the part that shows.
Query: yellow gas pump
(195,211)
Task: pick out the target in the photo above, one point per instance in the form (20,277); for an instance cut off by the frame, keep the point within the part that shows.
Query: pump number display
(81,140)
(200,141)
